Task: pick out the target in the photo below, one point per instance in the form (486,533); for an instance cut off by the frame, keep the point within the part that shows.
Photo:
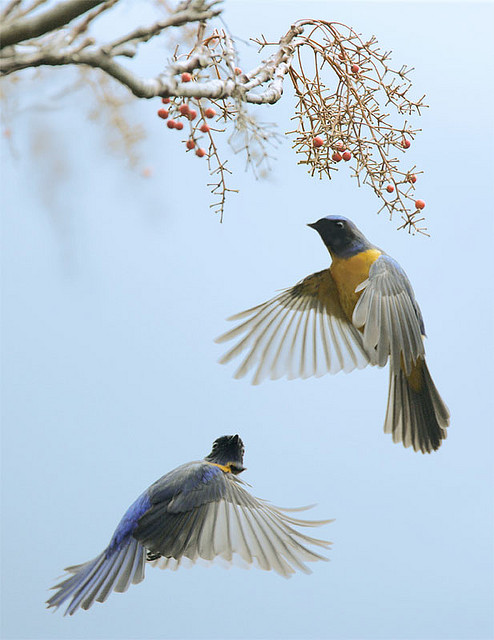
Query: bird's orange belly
(348,273)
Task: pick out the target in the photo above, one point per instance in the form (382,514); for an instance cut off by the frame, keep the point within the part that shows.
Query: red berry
(165,100)
(336,157)
(179,125)
(237,71)
(163,113)
(184,109)
(200,152)
(318,142)
(186,77)
(204,127)
(192,114)
(339,146)
(420,204)
(210,112)
(171,124)
(390,188)
(355,68)
(346,156)
(412,178)
(190,144)
(405,143)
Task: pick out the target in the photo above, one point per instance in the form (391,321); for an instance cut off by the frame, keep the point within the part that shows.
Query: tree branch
(32,27)
(166,84)
(194,11)
(9,8)
(335,124)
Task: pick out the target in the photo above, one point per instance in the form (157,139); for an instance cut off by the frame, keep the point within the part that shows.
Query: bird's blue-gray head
(228,451)
(341,236)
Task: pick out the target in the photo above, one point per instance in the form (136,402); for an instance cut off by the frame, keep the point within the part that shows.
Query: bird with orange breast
(360,311)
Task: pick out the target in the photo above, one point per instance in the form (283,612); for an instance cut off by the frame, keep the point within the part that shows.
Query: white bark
(55,44)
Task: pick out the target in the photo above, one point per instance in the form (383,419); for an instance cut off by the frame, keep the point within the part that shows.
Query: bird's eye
(340,224)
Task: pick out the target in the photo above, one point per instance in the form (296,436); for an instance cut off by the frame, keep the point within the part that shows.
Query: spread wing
(389,316)
(300,333)
(218,518)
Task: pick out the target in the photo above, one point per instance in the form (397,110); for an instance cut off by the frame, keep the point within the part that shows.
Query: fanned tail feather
(418,418)
(96,579)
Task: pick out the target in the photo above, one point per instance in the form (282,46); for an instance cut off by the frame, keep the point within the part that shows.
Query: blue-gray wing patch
(234,523)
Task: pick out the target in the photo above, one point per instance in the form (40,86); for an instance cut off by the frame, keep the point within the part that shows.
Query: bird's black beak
(312,225)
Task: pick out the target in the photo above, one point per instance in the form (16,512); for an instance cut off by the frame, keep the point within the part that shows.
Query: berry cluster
(176,112)
(340,152)
(350,104)
(195,114)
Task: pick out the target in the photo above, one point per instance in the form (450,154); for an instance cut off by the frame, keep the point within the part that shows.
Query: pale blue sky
(114,288)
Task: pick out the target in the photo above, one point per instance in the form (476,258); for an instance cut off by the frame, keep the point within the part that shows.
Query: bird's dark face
(341,236)
(228,451)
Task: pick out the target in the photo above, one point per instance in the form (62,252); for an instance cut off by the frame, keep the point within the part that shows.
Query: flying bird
(201,510)
(360,311)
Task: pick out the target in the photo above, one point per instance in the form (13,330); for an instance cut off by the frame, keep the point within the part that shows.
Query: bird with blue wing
(199,511)
(360,311)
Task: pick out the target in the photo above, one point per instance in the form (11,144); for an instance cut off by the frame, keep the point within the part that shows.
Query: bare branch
(166,84)
(24,10)
(9,8)
(83,25)
(188,12)
(353,120)
(348,122)
(31,27)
